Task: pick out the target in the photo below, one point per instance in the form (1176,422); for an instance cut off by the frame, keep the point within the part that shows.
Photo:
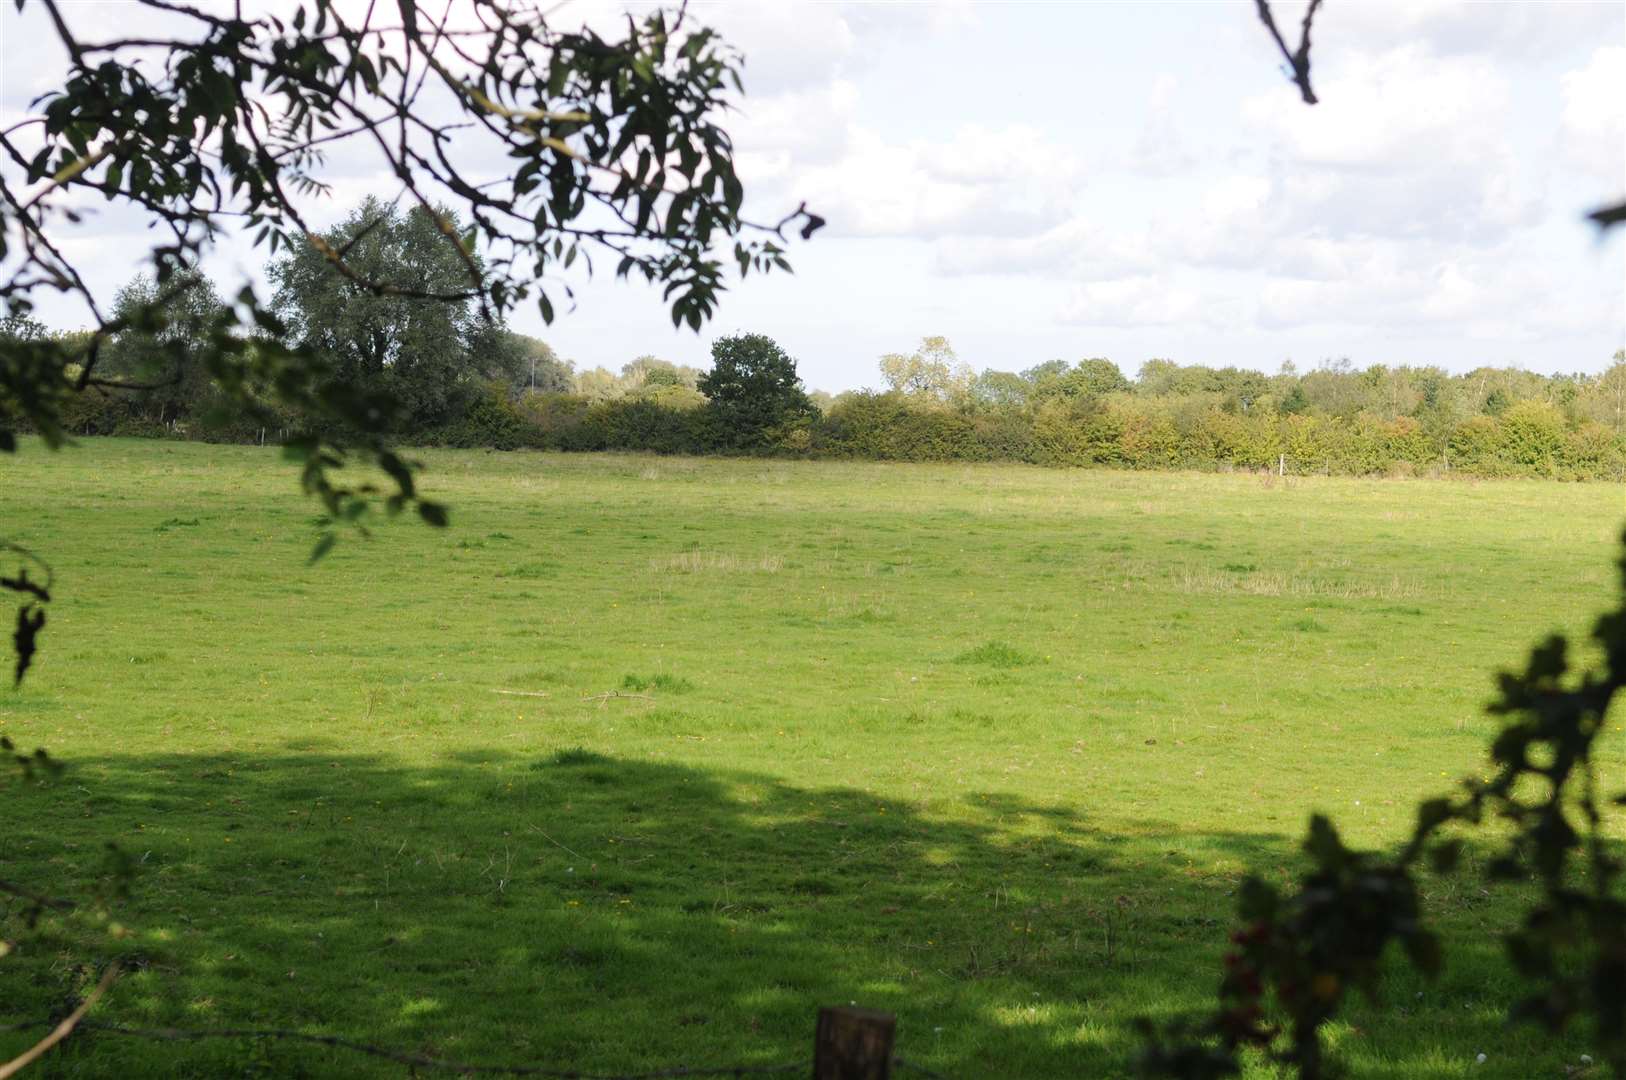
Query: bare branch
(1298,60)
(62,1030)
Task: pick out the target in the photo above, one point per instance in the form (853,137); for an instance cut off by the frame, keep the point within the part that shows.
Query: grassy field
(986,746)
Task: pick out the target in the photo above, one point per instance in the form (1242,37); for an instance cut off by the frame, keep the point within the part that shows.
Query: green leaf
(433,513)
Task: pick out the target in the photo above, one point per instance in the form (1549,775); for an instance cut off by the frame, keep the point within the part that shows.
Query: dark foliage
(754,391)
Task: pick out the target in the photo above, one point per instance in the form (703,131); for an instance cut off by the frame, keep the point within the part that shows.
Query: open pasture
(988,747)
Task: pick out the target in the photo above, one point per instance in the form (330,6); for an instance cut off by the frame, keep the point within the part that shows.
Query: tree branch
(62,1030)
(1297,59)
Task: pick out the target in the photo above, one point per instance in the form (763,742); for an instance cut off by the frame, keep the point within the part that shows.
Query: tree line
(444,372)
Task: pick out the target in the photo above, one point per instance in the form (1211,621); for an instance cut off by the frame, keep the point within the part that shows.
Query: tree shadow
(614,914)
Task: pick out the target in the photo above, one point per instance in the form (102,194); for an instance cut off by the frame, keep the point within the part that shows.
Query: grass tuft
(997,654)
(578,755)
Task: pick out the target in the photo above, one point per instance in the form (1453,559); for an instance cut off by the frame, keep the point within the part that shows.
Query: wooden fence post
(853,1044)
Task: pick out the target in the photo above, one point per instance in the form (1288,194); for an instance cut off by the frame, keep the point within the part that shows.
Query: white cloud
(1398,107)
(1077,249)
(1099,176)
(1594,127)
(1161,149)
(1517,31)
(1140,301)
(787,46)
(979,182)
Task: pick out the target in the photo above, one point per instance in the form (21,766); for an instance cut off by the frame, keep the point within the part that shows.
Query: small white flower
(1481,1059)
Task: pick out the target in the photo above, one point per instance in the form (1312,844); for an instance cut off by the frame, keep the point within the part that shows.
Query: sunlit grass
(985,746)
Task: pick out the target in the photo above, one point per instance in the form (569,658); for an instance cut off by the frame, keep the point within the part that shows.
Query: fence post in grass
(853,1044)
(1281,465)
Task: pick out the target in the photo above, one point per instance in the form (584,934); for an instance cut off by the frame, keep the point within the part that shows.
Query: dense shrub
(888,427)
(1592,451)
(1532,438)
(490,419)
(1475,446)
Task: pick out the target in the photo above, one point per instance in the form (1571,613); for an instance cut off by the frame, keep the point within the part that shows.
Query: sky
(1129,180)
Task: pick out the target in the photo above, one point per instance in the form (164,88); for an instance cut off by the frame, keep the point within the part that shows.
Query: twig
(608,694)
(558,845)
(62,1030)
(1608,215)
(1298,59)
(522,693)
(34,897)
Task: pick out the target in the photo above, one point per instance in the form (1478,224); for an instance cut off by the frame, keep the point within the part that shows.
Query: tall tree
(932,371)
(165,342)
(753,389)
(1605,399)
(417,351)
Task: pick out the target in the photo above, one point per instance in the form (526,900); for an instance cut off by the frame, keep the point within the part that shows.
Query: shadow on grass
(612,914)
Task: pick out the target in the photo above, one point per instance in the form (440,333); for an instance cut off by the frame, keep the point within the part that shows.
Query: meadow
(645,758)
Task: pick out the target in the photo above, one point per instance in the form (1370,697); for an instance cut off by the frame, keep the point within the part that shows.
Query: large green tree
(753,389)
(526,364)
(419,352)
(933,372)
(162,351)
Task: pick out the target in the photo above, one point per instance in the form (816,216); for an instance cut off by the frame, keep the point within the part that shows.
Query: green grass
(986,746)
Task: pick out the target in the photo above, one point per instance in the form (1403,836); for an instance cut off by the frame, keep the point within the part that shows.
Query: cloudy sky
(1136,180)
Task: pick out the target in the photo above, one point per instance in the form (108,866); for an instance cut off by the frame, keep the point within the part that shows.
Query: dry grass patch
(1262,583)
(717,562)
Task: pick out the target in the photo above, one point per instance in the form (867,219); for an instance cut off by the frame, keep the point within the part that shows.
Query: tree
(651,373)
(1087,379)
(932,371)
(1605,399)
(1098,377)
(522,363)
(1001,390)
(599,384)
(1335,388)
(395,343)
(165,359)
(753,390)
(17,327)
(1293,402)
(210,122)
